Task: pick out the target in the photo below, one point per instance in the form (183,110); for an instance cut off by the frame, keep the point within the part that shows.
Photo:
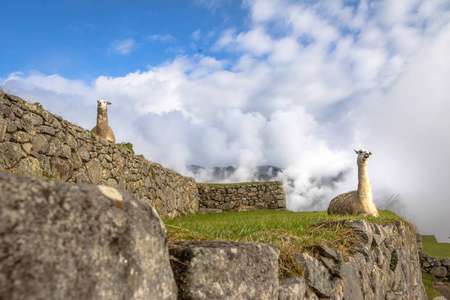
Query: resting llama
(357,202)
(102,128)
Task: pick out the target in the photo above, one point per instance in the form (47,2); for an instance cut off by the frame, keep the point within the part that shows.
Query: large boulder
(225,270)
(68,241)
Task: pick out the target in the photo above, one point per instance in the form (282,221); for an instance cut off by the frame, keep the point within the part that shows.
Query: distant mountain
(262,173)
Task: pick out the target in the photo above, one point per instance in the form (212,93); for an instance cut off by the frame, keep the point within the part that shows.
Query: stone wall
(440,268)
(35,142)
(224,197)
(385,265)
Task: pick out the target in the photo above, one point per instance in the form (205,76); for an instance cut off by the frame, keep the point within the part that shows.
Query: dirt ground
(443,287)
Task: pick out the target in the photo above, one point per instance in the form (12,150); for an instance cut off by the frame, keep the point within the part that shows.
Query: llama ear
(370,153)
(356,151)
(109,103)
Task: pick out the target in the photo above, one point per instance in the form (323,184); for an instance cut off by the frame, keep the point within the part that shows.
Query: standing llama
(102,128)
(357,202)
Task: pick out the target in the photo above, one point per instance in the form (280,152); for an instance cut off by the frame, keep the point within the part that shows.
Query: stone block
(68,241)
(293,288)
(445,262)
(225,270)
(438,271)
(11,153)
(316,276)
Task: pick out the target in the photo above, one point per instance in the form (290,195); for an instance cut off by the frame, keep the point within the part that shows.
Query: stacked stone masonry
(439,268)
(35,142)
(261,195)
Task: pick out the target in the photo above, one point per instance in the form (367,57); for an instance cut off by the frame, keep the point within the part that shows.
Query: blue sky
(289,83)
(86,39)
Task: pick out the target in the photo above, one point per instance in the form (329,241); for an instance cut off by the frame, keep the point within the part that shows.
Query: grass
(129,146)
(428,280)
(291,232)
(433,248)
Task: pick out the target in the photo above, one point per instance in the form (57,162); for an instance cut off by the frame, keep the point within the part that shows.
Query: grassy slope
(290,231)
(428,280)
(433,248)
(439,250)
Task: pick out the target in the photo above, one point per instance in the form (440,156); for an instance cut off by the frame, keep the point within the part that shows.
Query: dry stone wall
(262,195)
(439,268)
(385,265)
(35,142)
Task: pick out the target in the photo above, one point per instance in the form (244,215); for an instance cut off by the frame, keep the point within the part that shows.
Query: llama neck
(102,116)
(364,188)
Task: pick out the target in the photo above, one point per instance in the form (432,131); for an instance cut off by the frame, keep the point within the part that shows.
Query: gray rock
(11,154)
(40,143)
(445,262)
(439,271)
(3,126)
(225,270)
(352,280)
(68,241)
(317,276)
(293,288)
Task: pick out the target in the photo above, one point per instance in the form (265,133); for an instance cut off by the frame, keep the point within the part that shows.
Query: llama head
(102,103)
(363,155)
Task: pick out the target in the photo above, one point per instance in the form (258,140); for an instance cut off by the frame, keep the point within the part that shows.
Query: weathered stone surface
(225,270)
(11,153)
(445,262)
(385,266)
(439,271)
(293,288)
(264,195)
(40,143)
(317,276)
(3,126)
(29,165)
(67,241)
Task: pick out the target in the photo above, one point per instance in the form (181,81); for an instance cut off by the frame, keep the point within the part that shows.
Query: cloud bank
(301,87)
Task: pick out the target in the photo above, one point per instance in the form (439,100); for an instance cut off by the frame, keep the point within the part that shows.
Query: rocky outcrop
(385,266)
(35,142)
(69,241)
(224,197)
(225,270)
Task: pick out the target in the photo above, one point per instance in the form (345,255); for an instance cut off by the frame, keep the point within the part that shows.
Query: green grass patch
(428,280)
(292,232)
(433,248)
(129,146)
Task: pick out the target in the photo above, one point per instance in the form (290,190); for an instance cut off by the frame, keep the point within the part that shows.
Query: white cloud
(122,47)
(265,10)
(211,4)
(196,35)
(164,38)
(310,82)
